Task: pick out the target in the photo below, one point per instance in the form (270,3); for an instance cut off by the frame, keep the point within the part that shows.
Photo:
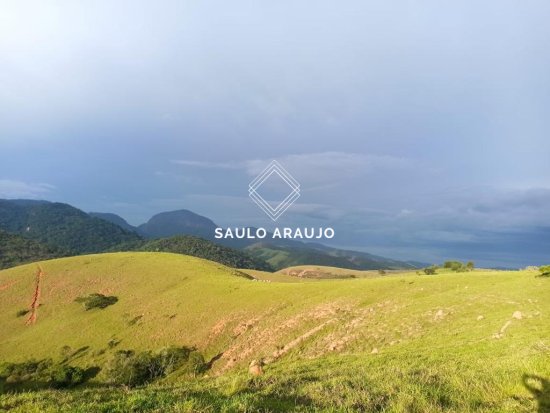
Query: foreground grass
(403,343)
(389,383)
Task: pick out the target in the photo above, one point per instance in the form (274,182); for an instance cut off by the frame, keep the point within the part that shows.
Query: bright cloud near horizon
(418,130)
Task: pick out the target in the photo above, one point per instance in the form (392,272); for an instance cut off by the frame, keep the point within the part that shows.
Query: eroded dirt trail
(36,297)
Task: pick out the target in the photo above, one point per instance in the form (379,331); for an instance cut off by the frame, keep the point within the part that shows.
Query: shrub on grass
(545,271)
(458,266)
(133,369)
(62,376)
(196,364)
(39,374)
(97,300)
(22,313)
(65,351)
(429,271)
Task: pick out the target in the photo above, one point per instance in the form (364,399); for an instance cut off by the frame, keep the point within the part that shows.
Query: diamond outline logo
(274,167)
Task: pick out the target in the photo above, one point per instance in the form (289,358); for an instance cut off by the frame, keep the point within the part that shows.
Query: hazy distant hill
(61,225)
(279,254)
(181,222)
(16,250)
(366,261)
(283,256)
(113,219)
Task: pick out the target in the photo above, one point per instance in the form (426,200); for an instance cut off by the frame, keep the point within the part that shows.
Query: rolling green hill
(452,342)
(61,225)
(201,248)
(16,250)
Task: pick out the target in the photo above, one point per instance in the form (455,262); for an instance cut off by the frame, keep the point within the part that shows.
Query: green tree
(545,271)
(455,266)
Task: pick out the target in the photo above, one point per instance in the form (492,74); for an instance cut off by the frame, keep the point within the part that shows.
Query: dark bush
(22,313)
(66,351)
(545,271)
(40,374)
(97,300)
(196,364)
(62,376)
(458,266)
(430,271)
(133,369)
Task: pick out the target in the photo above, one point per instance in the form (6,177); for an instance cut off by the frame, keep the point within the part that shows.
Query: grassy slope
(431,353)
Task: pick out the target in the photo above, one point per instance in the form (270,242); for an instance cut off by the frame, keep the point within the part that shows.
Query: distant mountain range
(166,224)
(68,230)
(61,225)
(113,219)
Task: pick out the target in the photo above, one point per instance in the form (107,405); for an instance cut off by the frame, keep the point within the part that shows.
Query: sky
(417,129)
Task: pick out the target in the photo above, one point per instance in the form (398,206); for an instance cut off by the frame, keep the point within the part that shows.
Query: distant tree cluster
(458,266)
(455,266)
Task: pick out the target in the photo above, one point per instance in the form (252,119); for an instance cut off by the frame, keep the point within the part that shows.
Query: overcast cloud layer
(418,130)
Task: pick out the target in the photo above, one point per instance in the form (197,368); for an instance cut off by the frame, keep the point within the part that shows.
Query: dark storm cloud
(418,130)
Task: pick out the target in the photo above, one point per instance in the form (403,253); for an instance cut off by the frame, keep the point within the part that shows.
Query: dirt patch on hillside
(321,329)
(7,285)
(36,297)
(369,328)
(314,273)
(256,338)
(298,340)
(236,325)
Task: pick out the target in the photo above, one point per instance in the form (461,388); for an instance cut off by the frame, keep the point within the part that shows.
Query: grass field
(468,342)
